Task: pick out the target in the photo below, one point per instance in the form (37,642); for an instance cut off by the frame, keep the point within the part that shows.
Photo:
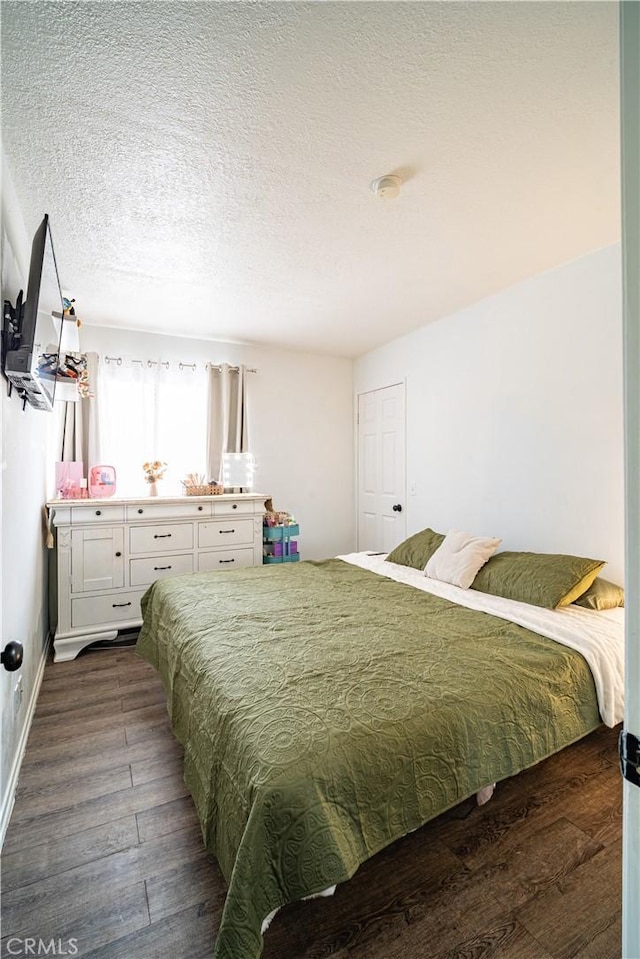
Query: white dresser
(109,551)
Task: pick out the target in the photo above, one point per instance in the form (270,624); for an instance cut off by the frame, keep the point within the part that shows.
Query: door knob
(11,657)
(397,508)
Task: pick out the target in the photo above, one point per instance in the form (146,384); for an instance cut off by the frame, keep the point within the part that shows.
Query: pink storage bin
(102,481)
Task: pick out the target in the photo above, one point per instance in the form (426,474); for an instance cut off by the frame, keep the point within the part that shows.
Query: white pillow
(459,557)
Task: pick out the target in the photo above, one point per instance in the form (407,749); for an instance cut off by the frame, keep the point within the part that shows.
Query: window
(151,410)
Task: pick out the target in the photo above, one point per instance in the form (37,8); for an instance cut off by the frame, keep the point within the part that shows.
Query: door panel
(390,533)
(381,468)
(368,529)
(369,461)
(97,560)
(389,463)
(630,84)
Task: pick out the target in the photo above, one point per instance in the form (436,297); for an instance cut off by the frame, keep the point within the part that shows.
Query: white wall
(26,436)
(514,413)
(300,426)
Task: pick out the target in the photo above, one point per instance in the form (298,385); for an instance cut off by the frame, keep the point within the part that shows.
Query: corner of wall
(23,598)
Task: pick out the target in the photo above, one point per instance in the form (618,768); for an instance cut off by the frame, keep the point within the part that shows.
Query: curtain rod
(181,366)
(233,369)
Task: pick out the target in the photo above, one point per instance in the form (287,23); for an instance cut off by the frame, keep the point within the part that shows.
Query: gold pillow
(601,595)
(541,579)
(417,550)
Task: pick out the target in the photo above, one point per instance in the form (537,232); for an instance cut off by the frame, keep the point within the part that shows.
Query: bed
(328,708)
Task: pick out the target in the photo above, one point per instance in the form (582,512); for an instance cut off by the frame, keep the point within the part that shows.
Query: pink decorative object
(102,481)
(68,479)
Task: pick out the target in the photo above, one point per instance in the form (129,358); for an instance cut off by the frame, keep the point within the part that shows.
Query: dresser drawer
(118,607)
(187,510)
(229,533)
(96,513)
(143,572)
(161,538)
(225,559)
(236,507)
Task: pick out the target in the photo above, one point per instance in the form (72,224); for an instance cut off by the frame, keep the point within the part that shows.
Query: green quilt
(325,711)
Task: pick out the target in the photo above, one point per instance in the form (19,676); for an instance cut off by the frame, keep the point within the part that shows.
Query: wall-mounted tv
(31,338)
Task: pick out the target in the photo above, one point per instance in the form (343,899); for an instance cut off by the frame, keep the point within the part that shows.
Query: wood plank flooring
(104,848)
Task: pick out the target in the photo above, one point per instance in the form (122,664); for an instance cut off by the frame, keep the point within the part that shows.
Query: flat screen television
(32,348)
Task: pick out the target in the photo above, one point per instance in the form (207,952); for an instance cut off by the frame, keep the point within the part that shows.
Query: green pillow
(601,595)
(417,550)
(541,579)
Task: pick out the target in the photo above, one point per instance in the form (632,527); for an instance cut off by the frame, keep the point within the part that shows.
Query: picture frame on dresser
(107,554)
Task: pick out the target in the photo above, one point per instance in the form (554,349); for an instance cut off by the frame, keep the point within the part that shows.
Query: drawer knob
(118,554)
(98,512)
(234,506)
(116,605)
(141,511)
(221,531)
(200,508)
(162,535)
(156,568)
(226,560)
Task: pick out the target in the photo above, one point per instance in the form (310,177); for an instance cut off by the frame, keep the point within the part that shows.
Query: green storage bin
(272,533)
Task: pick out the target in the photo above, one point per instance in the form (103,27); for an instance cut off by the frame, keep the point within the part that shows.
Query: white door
(97,560)
(381,469)
(630,84)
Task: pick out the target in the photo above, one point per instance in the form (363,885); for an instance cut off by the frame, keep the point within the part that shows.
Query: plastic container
(102,481)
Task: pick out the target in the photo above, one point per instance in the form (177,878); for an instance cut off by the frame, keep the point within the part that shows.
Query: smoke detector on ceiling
(386,187)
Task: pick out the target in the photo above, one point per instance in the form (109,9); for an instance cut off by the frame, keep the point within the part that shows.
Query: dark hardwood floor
(104,848)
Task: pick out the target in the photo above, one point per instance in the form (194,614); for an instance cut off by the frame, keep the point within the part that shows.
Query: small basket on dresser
(208,489)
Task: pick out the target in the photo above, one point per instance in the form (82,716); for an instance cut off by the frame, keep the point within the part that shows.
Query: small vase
(153,488)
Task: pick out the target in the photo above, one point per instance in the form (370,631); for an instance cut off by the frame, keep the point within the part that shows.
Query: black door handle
(397,508)
(11,658)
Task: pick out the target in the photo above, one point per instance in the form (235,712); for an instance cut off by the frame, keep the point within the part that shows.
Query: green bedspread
(326,711)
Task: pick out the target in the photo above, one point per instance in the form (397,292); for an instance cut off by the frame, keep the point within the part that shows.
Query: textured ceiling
(206,166)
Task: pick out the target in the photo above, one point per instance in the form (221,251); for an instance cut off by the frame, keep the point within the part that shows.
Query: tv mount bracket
(12,334)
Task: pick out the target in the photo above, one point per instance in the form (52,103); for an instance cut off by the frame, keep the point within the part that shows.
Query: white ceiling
(206,166)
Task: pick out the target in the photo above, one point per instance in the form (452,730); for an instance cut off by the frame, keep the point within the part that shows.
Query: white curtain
(79,432)
(152,410)
(227,426)
(70,447)
(91,416)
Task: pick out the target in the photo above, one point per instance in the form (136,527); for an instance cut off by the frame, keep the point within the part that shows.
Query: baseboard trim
(10,793)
